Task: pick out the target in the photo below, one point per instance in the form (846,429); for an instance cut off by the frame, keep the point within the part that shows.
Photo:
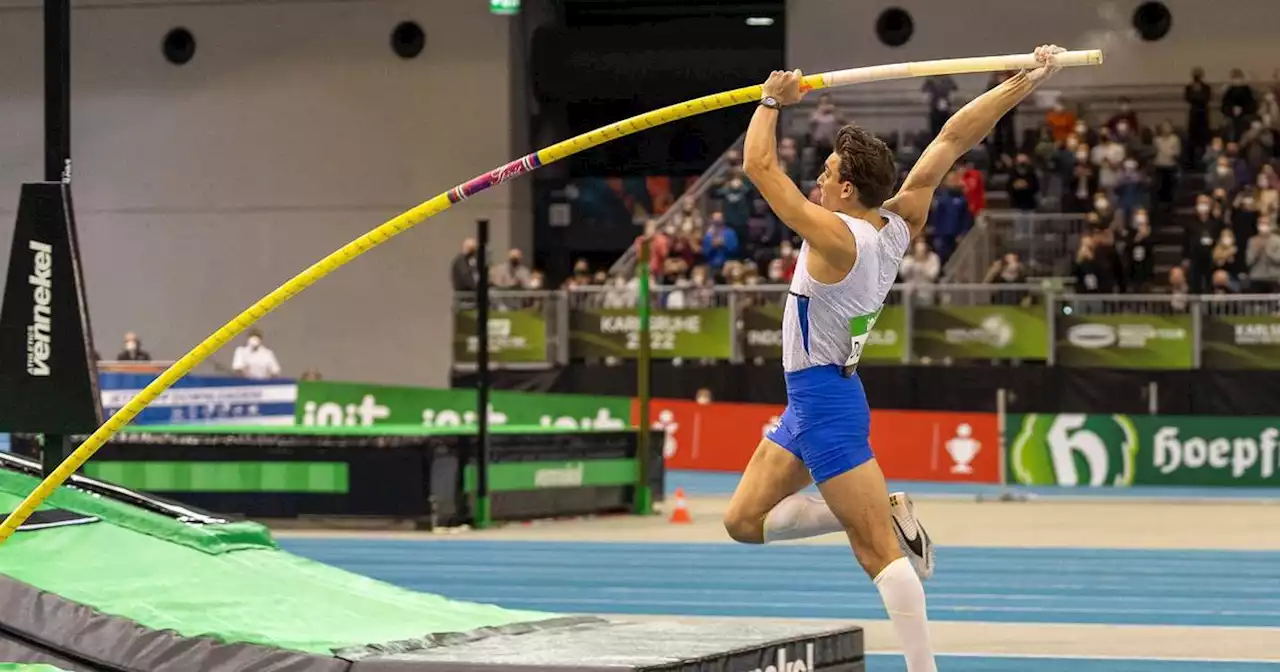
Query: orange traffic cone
(680,514)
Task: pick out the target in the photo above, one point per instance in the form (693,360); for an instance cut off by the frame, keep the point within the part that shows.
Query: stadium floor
(1059,585)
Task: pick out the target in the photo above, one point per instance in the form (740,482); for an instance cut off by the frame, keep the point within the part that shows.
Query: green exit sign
(506,7)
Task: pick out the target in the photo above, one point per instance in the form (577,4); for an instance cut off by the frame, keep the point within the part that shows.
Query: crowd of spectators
(1122,174)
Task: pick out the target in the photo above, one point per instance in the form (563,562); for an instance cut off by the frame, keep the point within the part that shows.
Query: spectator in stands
(659,247)
(823,124)
(311,375)
(254,359)
(1168,148)
(1263,259)
(719,243)
(1222,175)
(735,195)
(1086,270)
(511,275)
(762,232)
(1197,247)
(950,216)
(1257,146)
(1179,288)
(1045,148)
(619,294)
(938,90)
(922,266)
(686,244)
(464,272)
(1139,251)
(689,220)
(1104,212)
(789,159)
(1082,184)
(1268,196)
(1221,205)
(1217,147)
(1222,283)
(1087,135)
(133,351)
(777,271)
(1125,120)
(1024,194)
(1244,213)
(1107,156)
(975,187)
(788,253)
(1061,121)
(1269,110)
(1225,253)
(581,276)
(1008,270)
(1132,191)
(1238,103)
(1198,96)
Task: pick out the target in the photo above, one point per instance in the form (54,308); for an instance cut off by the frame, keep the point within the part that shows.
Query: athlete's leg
(773,474)
(859,498)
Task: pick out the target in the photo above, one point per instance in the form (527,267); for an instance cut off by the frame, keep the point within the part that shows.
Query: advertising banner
(517,336)
(980,332)
(358,404)
(1125,341)
(695,334)
(761,334)
(1121,450)
(1240,342)
(210,400)
(915,445)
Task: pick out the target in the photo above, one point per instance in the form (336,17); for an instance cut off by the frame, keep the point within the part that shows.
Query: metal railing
(938,323)
(1046,243)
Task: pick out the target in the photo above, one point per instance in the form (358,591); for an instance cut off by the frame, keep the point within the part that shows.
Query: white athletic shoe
(912,537)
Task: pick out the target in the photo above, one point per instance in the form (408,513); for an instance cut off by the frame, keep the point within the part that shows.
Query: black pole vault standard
(57,90)
(484,514)
(57,146)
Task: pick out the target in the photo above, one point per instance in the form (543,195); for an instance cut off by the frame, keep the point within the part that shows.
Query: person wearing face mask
(133,351)
(511,275)
(1139,252)
(921,267)
(1083,182)
(1225,254)
(463,272)
(1198,95)
(1244,213)
(1238,103)
(1262,257)
(254,360)
(1061,121)
(1197,248)
(1131,191)
(1268,198)
(1125,117)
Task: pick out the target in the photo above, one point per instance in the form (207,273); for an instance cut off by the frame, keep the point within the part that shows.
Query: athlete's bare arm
(827,236)
(962,133)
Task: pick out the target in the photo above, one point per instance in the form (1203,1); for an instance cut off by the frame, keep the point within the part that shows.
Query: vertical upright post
(483,513)
(57,89)
(57,148)
(644,495)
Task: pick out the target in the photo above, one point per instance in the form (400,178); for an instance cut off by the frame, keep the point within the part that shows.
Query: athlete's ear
(846,190)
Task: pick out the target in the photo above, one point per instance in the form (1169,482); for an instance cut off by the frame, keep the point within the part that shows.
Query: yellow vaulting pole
(463,191)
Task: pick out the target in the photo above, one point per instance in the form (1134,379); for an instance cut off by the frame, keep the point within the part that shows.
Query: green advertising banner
(358,404)
(695,334)
(1125,341)
(762,334)
(1121,450)
(1240,342)
(517,336)
(980,332)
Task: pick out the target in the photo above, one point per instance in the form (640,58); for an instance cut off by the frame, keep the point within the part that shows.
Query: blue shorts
(827,423)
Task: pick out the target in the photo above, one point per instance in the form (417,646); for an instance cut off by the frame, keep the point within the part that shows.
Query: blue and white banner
(199,400)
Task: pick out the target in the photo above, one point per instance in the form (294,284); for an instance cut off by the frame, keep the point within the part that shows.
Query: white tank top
(829,324)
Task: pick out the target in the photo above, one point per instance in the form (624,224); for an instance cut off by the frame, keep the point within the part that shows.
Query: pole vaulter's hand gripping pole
(442,202)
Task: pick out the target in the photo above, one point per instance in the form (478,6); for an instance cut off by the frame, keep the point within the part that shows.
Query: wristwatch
(770,101)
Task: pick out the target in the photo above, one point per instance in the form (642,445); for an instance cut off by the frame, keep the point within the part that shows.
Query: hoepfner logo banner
(39,334)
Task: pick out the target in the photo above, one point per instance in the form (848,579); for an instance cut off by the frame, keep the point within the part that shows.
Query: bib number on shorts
(859,331)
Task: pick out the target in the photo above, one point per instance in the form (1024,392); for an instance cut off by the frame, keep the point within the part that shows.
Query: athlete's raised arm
(962,133)
(821,228)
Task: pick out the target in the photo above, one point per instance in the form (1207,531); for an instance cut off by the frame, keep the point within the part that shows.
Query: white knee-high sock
(799,516)
(903,596)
